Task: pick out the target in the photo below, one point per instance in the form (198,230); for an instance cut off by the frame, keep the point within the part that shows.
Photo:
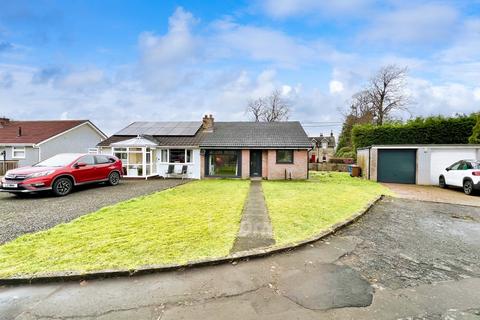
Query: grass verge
(301,209)
(193,221)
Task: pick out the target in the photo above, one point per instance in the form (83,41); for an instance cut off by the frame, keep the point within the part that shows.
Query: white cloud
(466,47)
(476,94)
(164,58)
(413,24)
(83,79)
(288,8)
(232,40)
(335,86)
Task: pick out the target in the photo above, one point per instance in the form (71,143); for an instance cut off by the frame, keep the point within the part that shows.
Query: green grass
(192,221)
(302,209)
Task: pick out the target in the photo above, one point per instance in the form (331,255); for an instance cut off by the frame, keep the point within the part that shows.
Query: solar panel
(171,128)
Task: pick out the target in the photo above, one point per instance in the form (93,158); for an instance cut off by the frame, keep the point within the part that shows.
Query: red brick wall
(298,169)
(245,164)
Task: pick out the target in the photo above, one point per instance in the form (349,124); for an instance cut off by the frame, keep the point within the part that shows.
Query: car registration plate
(10,185)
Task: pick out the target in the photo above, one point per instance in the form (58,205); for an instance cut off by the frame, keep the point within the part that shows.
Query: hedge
(475,137)
(431,130)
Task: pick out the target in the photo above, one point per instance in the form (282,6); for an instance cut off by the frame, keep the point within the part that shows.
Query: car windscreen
(60,160)
(475,165)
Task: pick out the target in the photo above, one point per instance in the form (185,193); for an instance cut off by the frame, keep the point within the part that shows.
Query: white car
(464,174)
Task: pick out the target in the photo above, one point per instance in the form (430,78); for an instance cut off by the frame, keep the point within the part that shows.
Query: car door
(104,166)
(451,175)
(85,173)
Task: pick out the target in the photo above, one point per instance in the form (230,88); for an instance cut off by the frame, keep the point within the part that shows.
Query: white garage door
(442,158)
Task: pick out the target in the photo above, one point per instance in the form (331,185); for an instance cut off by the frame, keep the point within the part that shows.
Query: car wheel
(62,186)
(114,178)
(468,187)
(441,182)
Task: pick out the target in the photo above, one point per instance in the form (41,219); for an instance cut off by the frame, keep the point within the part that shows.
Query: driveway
(40,211)
(433,193)
(405,259)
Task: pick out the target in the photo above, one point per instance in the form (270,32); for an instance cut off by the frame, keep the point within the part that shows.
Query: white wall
(442,158)
(193,171)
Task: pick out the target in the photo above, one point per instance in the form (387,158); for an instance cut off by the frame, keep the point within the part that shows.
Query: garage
(412,164)
(397,165)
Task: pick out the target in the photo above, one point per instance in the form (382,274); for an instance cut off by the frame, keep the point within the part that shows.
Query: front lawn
(301,209)
(193,221)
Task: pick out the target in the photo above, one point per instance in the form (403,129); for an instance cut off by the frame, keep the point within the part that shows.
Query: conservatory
(138,156)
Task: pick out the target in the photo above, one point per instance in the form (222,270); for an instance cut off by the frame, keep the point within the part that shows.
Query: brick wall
(245,164)
(298,169)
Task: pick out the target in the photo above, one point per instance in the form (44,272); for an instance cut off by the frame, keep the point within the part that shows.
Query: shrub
(431,130)
(475,137)
(345,152)
(341,160)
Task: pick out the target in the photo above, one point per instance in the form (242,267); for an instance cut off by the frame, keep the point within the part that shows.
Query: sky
(115,62)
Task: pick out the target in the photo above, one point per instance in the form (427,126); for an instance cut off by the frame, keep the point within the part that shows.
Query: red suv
(62,172)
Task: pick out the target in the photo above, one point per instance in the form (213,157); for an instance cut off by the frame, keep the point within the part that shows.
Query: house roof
(289,134)
(33,132)
(231,135)
(166,141)
(164,128)
(330,140)
(138,141)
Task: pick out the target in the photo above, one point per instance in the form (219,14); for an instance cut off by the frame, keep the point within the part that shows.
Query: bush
(475,137)
(345,152)
(431,130)
(341,160)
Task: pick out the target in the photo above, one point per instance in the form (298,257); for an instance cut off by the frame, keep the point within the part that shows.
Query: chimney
(19,132)
(331,133)
(207,123)
(4,121)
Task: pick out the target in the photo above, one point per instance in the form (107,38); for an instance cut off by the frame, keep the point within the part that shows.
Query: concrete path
(255,227)
(403,260)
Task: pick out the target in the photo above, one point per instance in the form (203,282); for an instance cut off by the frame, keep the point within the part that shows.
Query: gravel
(405,243)
(42,211)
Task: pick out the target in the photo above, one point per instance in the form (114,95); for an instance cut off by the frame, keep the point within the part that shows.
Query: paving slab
(255,227)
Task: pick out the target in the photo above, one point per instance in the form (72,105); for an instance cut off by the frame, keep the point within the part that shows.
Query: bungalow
(277,150)
(24,143)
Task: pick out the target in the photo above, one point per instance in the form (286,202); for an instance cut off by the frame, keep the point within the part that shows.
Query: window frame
(15,149)
(285,162)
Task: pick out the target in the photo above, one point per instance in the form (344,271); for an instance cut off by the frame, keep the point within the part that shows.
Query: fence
(7,165)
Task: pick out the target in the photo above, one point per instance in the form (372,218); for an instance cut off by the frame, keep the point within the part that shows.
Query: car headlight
(40,174)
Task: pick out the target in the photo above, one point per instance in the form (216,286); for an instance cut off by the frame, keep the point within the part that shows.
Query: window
(177,155)
(223,163)
(88,160)
(164,156)
(104,159)
(18,152)
(284,156)
(455,166)
(120,153)
(324,145)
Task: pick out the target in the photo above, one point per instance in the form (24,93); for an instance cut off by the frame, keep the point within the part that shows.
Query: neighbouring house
(28,142)
(277,150)
(412,164)
(323,148)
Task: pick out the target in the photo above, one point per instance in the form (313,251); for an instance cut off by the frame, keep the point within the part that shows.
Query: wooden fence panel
(7,165)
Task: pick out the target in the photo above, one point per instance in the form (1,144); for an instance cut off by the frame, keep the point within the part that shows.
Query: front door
(255,163)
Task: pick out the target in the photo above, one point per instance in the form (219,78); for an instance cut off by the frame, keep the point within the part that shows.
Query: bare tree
(386,92)
(255,108)
(269,109)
